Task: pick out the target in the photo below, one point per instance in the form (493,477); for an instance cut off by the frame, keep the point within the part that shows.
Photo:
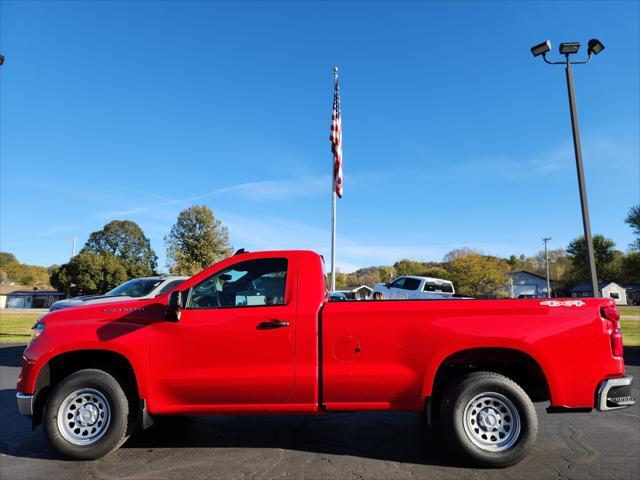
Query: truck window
(170,286)
(399,283)
(248,284)
(438,287)
(411,284)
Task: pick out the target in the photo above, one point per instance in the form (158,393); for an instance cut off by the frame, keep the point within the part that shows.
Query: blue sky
(454,135)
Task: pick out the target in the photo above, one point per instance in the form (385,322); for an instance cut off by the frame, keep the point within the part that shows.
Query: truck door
(234,342)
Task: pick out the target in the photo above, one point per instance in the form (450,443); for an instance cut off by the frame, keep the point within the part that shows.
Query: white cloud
(272,233)
(597,151)
(58,229)
(254,191)
(276,189)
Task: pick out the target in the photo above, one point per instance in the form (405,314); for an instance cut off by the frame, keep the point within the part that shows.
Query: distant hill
(14,272)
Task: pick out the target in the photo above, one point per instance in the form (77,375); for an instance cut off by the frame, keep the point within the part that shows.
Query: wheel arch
(63,364)
(514,363)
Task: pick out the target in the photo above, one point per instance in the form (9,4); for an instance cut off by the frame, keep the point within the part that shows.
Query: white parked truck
(146,287)
(414,287)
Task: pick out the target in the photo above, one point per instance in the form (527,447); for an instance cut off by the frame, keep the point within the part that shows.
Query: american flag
(336,140)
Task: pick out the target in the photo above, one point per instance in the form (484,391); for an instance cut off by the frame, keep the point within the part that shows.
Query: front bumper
(25,404)
(615,393)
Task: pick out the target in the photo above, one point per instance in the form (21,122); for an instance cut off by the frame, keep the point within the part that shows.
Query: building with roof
(607,290)
(19,296)
(358,293)
(524,284)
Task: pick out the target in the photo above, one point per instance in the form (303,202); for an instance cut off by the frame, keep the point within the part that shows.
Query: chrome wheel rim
(492,422)
(84,416)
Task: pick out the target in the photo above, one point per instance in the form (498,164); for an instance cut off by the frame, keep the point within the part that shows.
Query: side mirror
(174,306)
(387,284)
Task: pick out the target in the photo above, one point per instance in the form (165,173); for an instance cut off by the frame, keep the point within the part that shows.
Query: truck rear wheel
(86,415)
(489,419)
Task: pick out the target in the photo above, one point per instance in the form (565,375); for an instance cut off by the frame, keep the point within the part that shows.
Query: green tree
(458,253)
(126,241)
(11,270)
(7,258)
(196,241)
(438,272)
(408,267)
(515,263)
(559,262)
(633,219)
(604,253)
(386,274)
(630,269)
(89,273)
(478,275)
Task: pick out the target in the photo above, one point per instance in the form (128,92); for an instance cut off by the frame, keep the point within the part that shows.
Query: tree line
(121,251)
(478,275)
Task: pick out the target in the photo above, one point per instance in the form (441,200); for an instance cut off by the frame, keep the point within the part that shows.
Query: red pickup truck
(256,334)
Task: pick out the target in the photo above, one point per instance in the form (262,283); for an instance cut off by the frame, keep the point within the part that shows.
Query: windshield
(138,287)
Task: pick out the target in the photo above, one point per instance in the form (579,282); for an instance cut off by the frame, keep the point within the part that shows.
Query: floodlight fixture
(569,48)
(595,46)
(541,48)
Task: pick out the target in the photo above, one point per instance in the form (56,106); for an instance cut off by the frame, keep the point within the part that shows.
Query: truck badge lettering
(563,303)
(130,309)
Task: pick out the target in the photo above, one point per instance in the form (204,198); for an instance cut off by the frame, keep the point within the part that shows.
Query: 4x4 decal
(563,303)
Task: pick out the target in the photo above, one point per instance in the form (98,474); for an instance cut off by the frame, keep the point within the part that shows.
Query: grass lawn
(630,312)
(630,325)
(16,327)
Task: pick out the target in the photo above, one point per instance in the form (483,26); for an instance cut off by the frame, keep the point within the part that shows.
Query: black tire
(482,446)
(114,434)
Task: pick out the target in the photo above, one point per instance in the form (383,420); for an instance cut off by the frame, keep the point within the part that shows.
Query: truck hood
(110,309)
(87,300)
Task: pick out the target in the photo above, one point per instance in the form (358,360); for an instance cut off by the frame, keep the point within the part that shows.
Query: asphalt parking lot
(341,446)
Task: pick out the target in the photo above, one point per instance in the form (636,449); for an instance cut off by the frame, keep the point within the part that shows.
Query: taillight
(613,316)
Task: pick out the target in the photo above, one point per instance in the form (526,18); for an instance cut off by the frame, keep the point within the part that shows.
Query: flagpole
(333,208)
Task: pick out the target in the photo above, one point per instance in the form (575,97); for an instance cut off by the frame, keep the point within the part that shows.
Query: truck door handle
(271,324)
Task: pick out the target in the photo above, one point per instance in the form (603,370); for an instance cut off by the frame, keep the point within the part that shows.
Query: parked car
(146,287)
(338,297)
(414,287)
(255,334)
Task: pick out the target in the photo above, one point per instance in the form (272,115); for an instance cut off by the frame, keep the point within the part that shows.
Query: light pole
(546,259)
(73,245)
(567,49)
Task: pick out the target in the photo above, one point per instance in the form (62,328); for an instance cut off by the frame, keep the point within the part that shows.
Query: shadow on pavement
(632,356)
(397,437)
(16,435)
(11,355)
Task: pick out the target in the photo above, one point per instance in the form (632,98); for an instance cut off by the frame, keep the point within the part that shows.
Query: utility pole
(546,259)
(73,245)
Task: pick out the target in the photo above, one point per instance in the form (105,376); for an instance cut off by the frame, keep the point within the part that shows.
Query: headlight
(36,330)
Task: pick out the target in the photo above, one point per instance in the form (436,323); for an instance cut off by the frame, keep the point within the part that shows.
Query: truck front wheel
(86,416)
(489,419)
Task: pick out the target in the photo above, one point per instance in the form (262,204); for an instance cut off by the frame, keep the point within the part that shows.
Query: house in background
(633,293)
(523,284)
(358,293)
(19,296)
(607,290)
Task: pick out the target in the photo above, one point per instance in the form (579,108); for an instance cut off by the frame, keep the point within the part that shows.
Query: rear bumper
(615,393)
(25,404)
